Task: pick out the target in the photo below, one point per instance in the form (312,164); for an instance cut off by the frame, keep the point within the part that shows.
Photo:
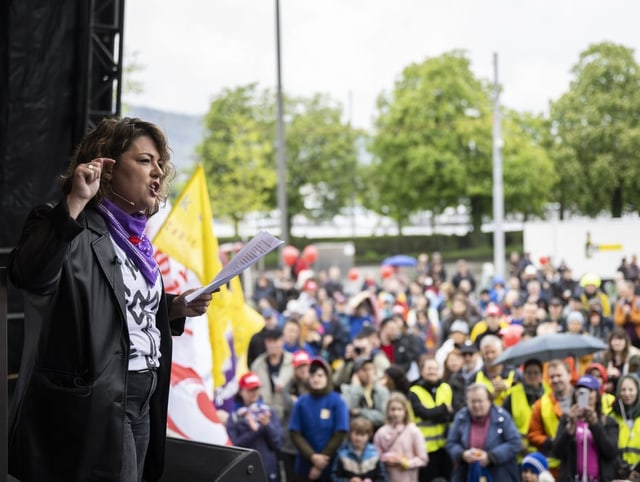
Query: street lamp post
(280,147)
(498,192)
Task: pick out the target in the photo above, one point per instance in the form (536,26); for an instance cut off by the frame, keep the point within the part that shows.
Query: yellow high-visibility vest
(550,421)
(628,439)
(482,378)
(435,434)
(607,402)
(521,414)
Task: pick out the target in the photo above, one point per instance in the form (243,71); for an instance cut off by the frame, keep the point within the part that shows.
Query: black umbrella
(551,347)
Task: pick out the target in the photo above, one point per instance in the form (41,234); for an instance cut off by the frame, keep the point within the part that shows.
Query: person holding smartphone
(587,440)
(363,346)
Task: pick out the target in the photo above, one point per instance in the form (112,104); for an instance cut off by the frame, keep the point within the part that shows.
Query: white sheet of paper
(258,247)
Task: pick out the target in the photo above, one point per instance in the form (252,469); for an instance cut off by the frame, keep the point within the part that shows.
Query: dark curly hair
(112,137)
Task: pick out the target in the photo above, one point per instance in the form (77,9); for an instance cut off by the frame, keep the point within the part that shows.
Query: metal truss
(103,54)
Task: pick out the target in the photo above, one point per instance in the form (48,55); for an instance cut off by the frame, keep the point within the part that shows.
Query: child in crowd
(534,468)
(358,460)
(400,442)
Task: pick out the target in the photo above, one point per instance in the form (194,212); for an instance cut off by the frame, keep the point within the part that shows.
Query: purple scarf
(128,233)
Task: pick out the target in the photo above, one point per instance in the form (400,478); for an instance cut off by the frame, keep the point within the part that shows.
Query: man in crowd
(362,347)
(490,325)
(457,338)
(497,378)
(627,311)
(555,321)
(530,317)
(365,396)
(546,412)
(256,343)
(401,348)
(521,398)
(275,370)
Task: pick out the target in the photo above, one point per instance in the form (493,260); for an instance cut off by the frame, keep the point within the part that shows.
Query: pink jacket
(407,441)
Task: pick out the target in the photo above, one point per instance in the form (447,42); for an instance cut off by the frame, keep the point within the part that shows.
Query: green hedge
(373,249)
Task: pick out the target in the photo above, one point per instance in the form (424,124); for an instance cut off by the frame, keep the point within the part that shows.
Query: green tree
(426,134)
(528,171)
(433,147)
(321,158)
(239,155)
(597,132)
(236,153)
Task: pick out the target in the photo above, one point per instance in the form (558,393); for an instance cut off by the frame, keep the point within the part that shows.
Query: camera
(258,408)
(358,350)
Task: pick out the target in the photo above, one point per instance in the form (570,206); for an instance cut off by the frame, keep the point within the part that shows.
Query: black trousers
(140,388)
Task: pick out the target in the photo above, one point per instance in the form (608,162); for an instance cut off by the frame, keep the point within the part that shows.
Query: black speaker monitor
(200,462)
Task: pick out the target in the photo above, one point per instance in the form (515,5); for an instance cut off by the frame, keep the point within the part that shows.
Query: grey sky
(192,49)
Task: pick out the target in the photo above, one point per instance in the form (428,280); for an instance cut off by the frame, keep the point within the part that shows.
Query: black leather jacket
(66,419)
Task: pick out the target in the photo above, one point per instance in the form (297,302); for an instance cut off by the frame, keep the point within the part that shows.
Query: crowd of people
(91,400)
(397,381)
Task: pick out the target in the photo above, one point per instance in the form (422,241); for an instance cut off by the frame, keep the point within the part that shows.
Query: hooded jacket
(318,424)
(628,419)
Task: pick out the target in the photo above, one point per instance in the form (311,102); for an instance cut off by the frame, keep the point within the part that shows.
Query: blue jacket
(502,444)
(349,464)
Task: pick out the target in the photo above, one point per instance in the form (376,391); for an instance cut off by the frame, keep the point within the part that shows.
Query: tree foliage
(422,138)
(597,132)
(529,173)
(239,155)
(433,147)
(321,157)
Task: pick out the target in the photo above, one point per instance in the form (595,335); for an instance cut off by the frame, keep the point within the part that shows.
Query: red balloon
(386,271)
(511,335)
(290,255)
(310,254)
(353,274)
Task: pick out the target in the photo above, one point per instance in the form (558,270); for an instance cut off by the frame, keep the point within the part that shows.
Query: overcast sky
(355,49)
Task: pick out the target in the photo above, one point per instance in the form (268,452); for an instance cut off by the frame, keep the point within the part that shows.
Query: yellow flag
(245,323)
(187,236)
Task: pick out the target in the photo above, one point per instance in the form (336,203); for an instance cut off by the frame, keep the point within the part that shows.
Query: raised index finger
(106,161)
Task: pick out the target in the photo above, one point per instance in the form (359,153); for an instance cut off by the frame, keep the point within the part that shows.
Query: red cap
(301,357)
(493,310)
(249,380)
(310,285)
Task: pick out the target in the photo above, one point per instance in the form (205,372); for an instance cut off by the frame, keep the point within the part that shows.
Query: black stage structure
(60,73)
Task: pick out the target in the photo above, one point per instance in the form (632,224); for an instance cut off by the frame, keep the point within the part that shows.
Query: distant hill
(184,131)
